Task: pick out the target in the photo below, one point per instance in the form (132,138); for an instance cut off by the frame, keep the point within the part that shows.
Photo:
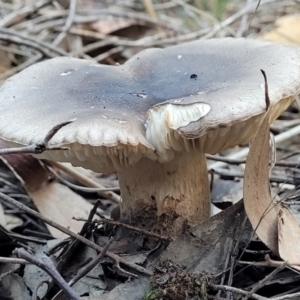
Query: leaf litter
(222,246)
(274,223)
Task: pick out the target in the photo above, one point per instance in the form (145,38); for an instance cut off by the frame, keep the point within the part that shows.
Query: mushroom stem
(164,198)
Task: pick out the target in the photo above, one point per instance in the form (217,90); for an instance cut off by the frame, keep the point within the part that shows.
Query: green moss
(149,295)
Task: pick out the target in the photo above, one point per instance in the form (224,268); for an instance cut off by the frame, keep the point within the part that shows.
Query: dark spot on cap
(193,76)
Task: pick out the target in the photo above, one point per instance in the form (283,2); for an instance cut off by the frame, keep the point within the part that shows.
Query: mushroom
(153,118)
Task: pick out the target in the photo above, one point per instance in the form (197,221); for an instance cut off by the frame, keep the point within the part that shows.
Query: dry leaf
(286,32)
(52,199)
(206,246)
(275,225)
(111,24)
(59,203)
(289,237)
(259,206)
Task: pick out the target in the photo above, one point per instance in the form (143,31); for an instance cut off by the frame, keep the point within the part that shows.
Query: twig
(54,130)
(46,264)
(272,262)
(262,282)
(13,260)
(38,148)
(18,15)
(108,53)
(232,161)
(150,9)
(244,22)
(233,247)
(273,178)
(43,47)
(69,22)
(257,252)
(237,291)
(254,263)
(131,15)
(233,18)
(91,265)
(14,50)
(198,11)
(267,98)
(233,253)
(85,270)
(48,221)
(225,159)
(276,263)
(83,188)
(142,231)
(279,138)
(86,181)
(287,297)
(30,61)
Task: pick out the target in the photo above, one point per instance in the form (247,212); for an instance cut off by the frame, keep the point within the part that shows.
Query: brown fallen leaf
(53,200)
(58,202)
(111,24)
(274,224)
(259,206)
(289,237)
(286,32)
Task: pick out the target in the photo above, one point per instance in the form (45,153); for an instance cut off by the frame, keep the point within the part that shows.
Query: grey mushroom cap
(205,94)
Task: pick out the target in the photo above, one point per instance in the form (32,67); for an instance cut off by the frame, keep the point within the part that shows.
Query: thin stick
(48,221)
(17,15)
(287,297)
(237,291)
(38,148)
(262,282)
(150,9)
(232,161)
(145,232)
(43,47)
(83,188)
(279,138)
(13,260)
(69,22)
(267,98)
(30,61)
(244,22)
(46,264)
(86,181)
(91,265)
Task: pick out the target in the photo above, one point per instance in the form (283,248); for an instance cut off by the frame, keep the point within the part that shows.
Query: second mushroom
(152,119)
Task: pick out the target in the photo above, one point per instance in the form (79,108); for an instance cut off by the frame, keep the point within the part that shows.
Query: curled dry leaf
(259,205)
(274,224)
(288,235)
